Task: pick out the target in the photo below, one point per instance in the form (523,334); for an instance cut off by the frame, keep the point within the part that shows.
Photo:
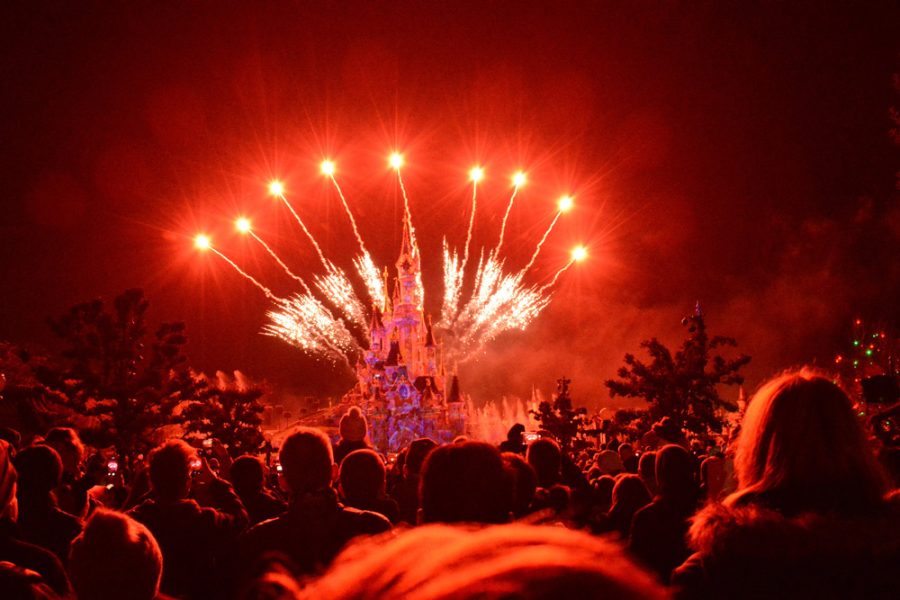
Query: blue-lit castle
(402,386)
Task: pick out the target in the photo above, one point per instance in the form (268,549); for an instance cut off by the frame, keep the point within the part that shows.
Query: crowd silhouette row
(797,505)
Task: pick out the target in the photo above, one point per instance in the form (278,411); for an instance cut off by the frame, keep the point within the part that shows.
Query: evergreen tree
(126,392)
(682,386)
(229,411)
(559,417)
(26,404)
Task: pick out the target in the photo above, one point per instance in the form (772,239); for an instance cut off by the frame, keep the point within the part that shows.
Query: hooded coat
(755,552)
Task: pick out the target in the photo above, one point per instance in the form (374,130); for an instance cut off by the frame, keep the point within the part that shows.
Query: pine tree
(230,412)
(682,386)
(126,393)
(26,404)
(559,417)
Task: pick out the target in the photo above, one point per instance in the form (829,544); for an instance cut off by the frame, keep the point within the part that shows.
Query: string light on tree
(872,350)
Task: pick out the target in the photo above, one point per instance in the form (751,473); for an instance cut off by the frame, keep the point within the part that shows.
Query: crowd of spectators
(796,506)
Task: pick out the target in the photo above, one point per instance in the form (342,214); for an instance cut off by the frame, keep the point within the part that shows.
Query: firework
(500,300)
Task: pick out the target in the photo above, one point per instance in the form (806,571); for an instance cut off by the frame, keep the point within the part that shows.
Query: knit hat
(353,425)
(609,462)
(7,479)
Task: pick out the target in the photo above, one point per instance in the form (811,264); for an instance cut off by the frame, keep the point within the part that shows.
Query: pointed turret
(429,333)
(407,247)
(386,307)
(377,322)
(454,395)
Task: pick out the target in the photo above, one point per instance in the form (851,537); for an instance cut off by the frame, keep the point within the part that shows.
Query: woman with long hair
(810,517)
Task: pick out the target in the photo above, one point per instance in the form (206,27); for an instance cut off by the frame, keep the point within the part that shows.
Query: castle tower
(407,314)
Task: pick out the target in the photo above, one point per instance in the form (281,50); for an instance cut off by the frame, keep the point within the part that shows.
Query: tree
(683,386)
(25,403)
(127,393)
(228,411)
(559,417)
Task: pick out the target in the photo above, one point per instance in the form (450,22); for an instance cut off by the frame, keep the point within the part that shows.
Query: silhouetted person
(40,521)
(465,483)
(354,429)
(13,438)
(712,478)
(192,537)
(362,479)
(16,551)
(658,530)
(610,462)
(602,492)
(809,518)
(115,557)
(545,457)
(72,493)
(524,483)
(628,457)
(406,492)
(248,476)
(315,526)
(515,440)
(435,562)
(628,496)
(647,471)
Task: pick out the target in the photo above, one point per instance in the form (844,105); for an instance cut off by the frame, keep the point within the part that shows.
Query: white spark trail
(505,218)
(305,230)
(280,262)
(540,245)
(465,259)
(556,277)
(364,264)
(247,276)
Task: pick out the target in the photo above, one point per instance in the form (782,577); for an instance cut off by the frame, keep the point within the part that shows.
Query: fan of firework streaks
(320,318)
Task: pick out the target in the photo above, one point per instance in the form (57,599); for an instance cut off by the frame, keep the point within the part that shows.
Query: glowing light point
(202,242)
(579,253)
(243,225)
(396,160)
(327,167)
(519,179)
(476,174)
(565,204)
(276,188)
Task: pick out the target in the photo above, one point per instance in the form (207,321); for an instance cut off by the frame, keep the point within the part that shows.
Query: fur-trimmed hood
(746,531)
(751,551)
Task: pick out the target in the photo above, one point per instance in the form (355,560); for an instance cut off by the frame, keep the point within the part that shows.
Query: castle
(402,384)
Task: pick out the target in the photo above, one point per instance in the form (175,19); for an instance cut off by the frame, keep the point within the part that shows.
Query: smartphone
(208,443)
(196,463)
(278,467)
(112,467)
(531,436)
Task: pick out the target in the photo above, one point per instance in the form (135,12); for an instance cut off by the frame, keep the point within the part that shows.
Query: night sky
(734,155)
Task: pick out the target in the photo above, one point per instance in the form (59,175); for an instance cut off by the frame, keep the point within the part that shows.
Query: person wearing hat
(14,550)
(354,429)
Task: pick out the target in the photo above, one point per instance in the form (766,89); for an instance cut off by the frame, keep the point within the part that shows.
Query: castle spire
(386,308)
(429,333)
(406,246)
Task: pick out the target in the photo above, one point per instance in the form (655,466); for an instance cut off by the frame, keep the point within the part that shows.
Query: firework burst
(500,299)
